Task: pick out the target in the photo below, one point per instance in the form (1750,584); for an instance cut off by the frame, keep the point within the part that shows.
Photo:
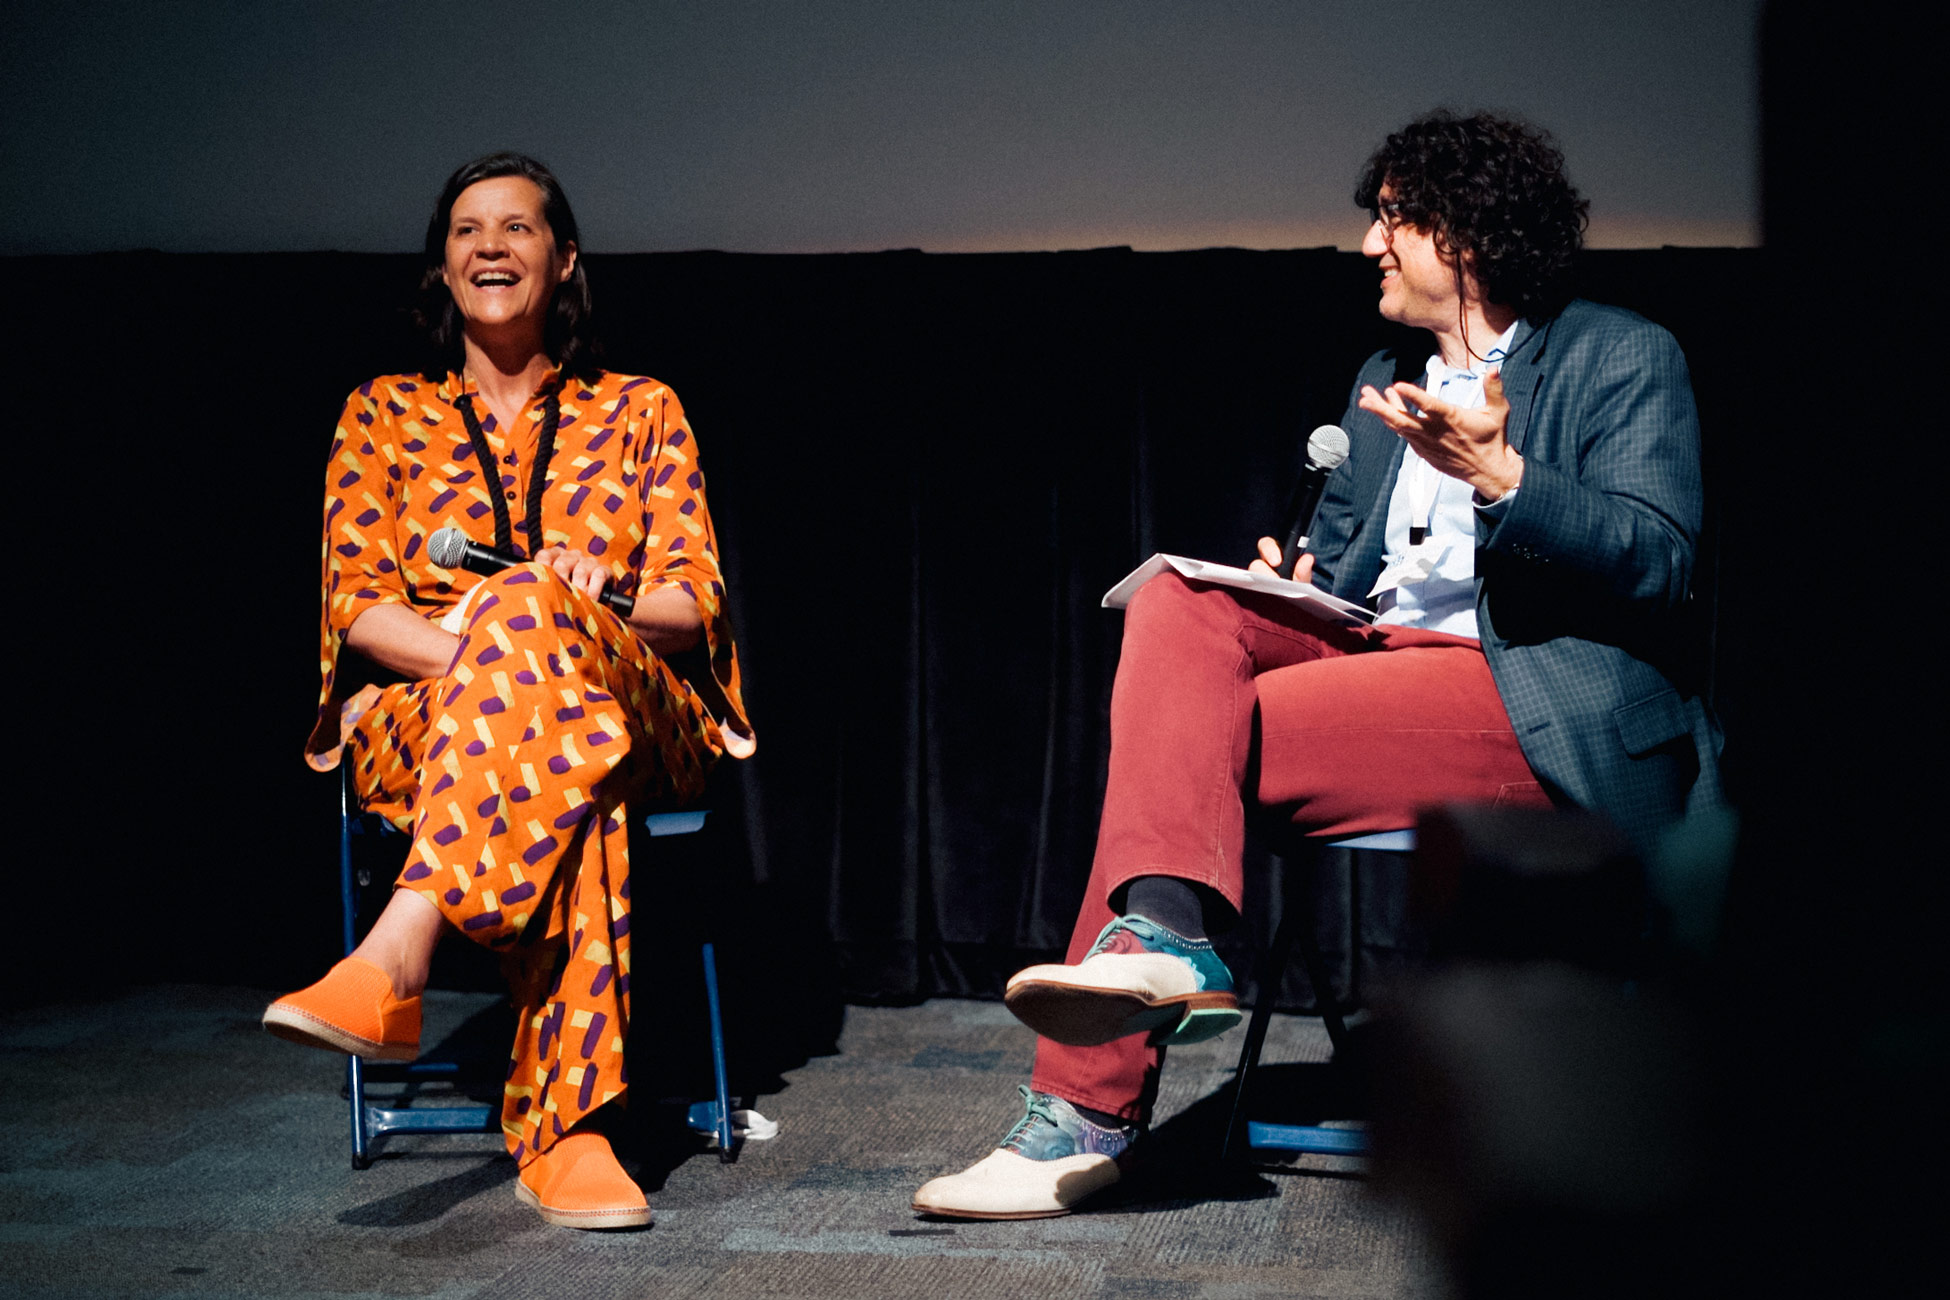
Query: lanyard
(537,475)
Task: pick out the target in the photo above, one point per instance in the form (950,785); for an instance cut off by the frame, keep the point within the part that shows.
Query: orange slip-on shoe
(577,1184)
(351,1010)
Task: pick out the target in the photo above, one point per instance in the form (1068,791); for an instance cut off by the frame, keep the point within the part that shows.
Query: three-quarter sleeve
(680,548)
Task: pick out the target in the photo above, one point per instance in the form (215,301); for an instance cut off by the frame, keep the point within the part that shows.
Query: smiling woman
(511,723)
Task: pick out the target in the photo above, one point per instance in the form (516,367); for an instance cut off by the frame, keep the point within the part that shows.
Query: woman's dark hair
(1492,192)
(566,336)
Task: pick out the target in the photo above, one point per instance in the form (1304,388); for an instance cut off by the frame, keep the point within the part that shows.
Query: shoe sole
(934,1212)
(295,1026)
(1081,1016)
(635,1217)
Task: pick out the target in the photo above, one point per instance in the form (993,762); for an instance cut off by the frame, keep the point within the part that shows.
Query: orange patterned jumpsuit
(516,773)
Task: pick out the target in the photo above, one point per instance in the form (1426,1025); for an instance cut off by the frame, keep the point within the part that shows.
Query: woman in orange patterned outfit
(511,723)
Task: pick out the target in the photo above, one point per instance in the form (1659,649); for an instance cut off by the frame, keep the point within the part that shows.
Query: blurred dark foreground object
(1543,1091)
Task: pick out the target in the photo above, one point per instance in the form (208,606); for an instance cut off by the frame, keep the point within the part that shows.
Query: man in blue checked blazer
(1522,510)
(1584,578)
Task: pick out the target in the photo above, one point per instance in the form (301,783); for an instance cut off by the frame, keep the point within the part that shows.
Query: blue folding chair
(372,1122)
(1296,922)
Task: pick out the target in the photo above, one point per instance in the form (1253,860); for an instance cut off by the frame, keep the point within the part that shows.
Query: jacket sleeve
(1610,501)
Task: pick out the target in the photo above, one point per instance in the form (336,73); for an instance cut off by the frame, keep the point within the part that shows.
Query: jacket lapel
(1523,375)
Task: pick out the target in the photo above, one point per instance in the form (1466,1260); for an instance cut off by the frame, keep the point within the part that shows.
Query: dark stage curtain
(926,470)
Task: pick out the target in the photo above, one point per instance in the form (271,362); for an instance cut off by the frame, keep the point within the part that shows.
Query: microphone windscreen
(448,547)
(1327,446)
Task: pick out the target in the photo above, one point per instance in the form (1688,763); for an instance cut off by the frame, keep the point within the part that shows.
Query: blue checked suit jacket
(1585,580)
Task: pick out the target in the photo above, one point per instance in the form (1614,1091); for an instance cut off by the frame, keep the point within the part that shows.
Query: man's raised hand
(1465,444)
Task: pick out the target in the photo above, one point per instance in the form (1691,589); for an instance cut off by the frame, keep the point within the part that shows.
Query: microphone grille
(448,547)
(1327,446)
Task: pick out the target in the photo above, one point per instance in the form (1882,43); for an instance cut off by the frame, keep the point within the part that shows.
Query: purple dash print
(592,1038)
(482,922)
(493,704)
(551,1026)
(520,893)
(601,982)
(538,850)
(446,835)
(521,622)
(453,897)
(521,577)
(417,871)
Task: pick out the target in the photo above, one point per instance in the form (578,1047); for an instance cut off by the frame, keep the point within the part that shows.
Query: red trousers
(1353,730)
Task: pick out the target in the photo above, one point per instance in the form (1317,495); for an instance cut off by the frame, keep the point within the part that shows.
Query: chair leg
(1324,999)
(1270,969)
(727,1149)
(355,1090)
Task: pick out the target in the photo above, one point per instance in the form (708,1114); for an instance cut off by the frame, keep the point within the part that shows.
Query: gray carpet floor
(161,1144)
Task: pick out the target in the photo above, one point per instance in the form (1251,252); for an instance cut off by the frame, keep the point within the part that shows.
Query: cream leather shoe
(1052,1161)
(1138,978)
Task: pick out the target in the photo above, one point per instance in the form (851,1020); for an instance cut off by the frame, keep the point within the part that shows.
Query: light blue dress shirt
(1428,574)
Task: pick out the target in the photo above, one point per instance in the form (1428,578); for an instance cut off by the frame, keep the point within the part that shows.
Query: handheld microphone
(450,548)
(1327,447)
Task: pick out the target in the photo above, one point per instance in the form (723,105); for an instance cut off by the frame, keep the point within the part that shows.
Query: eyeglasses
(1388,214)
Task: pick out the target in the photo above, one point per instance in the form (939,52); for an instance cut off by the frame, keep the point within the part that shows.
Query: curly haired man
(1521,509)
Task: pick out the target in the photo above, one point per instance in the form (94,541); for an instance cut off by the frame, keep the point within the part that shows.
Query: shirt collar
(1440,370)
(460,384)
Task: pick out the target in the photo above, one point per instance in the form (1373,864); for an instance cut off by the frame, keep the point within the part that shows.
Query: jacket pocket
(1646,724)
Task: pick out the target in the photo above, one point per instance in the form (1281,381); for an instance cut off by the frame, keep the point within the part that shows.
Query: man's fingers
(1303,568)
(1269,551)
